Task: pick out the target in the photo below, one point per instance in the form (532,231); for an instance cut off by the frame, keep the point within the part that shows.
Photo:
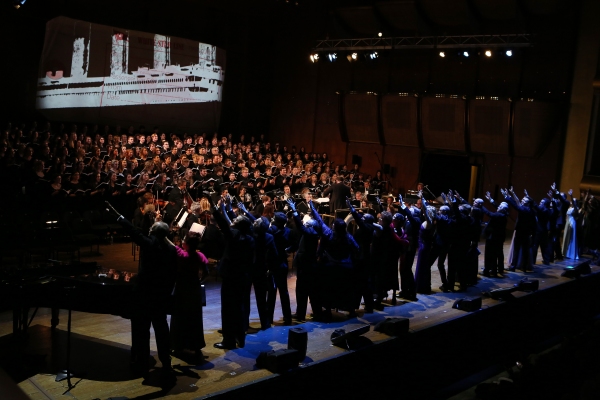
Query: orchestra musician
(176,201)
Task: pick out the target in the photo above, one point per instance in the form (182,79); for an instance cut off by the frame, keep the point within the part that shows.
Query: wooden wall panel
(535,124)
(399,120)
(489,126)
(405,163)
(328,141)
(537,174)
(366,152)
(360,115)
(496,174)
(443,123)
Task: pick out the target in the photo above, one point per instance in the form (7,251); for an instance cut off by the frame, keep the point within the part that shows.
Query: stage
(444,345)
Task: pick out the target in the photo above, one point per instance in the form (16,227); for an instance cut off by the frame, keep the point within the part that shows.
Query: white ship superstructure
(162,83)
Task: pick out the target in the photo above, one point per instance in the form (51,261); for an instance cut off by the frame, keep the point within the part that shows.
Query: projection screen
(102,74)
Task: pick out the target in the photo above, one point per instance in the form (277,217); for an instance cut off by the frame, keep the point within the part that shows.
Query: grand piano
(77,286)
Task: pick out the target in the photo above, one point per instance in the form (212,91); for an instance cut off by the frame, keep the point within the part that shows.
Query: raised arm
(243,209)
(317,217)
(357,218)
(229,209)
(513,195)
(424,209)
(299,225)
(489,198)
(404,211)
(574,201)
(222,222)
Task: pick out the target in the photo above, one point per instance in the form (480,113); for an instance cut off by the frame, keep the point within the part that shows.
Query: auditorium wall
(514,134)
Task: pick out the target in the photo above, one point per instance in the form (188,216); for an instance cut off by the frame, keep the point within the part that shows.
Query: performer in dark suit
(305,263)
(235,267)
(153,289)
(339,192)
(495,234)
(412,227)
(281,234)
(265,261)
(364,269)
(541,239)
(176,202)
(442,240)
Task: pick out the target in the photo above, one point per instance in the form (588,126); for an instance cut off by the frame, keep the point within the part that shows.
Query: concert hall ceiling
(334,18)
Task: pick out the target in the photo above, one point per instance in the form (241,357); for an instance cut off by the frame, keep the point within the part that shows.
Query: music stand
(67,373)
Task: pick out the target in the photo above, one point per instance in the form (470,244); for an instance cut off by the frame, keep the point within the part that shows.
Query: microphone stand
(67,373)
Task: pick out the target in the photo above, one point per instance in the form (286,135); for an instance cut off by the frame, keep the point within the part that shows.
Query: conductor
(339,192)
(154,285)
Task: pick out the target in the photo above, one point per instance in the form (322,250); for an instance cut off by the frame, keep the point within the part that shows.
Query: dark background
(271,86)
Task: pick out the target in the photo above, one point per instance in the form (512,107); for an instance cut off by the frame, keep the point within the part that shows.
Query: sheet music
(182,220)
(199,229)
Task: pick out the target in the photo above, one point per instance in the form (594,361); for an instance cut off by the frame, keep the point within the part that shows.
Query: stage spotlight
(18,3)
(332,57)
(373,55)
(442,54)
(578,270)
(465,53)
(352,57)
(488,53)
(314,57)
(380,34)
(509,53)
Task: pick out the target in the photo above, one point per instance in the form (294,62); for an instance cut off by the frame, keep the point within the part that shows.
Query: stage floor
(100,343)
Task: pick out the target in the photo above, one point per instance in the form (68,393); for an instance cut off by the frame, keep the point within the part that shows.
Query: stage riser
(422,363)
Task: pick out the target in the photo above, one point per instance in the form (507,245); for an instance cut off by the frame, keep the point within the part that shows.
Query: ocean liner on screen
(160,80)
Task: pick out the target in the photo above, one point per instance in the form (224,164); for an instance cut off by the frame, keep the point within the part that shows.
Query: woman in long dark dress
(187,328)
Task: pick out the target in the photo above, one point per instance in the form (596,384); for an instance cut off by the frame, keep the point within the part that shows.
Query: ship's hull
(145,86)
